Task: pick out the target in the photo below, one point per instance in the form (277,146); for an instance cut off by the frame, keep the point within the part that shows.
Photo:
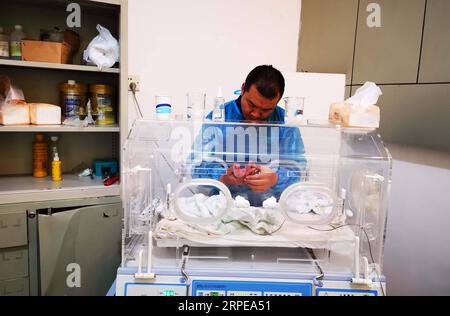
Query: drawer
(13,230)
(16,287)
(13,263)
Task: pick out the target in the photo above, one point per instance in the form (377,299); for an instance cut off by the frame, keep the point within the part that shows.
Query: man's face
(255,107)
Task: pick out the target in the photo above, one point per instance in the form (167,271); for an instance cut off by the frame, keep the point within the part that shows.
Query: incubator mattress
(173,233)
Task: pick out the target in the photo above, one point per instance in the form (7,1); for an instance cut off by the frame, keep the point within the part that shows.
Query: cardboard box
(49,52)
(348,115)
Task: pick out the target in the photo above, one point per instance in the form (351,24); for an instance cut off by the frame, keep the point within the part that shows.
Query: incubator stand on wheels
(318,231)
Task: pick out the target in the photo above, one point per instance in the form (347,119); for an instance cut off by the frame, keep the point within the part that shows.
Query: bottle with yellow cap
(56,168)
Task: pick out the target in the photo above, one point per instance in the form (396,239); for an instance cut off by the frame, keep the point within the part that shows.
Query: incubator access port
(309,204)
(202,201)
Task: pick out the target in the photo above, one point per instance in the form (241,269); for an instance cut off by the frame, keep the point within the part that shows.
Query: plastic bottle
(56,169)
(218,114)
(40,157)
(4,44)
(54,146)
(16,46)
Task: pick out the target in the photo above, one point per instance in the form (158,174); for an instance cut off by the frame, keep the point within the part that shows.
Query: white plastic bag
(103,50)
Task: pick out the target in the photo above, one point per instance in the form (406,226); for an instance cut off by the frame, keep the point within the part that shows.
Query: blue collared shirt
(269,143)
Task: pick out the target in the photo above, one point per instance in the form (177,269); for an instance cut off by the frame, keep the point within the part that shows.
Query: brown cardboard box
(49,52)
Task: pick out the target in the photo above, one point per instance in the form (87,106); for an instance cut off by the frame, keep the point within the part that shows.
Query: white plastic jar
(163,108)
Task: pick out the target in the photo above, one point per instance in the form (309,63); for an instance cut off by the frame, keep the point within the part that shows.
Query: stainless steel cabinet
(81,245)
(39,242)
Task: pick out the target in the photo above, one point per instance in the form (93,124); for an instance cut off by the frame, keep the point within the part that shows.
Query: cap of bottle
(56,158)
(40,137)
(71,82)
(18,27)
(54,138)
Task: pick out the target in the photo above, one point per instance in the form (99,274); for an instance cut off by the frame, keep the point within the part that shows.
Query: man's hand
(230,178)
(262,181)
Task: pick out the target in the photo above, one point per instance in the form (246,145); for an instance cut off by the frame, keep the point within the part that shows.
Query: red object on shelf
(110,181)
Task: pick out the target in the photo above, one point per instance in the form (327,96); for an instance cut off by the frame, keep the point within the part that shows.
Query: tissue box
(49,52)
(45,114)
(349,115)
(15,114)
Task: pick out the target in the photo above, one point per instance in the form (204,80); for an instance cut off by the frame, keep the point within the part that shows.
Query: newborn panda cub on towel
(249,170)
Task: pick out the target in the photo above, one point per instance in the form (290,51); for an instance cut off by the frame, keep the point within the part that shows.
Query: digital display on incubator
(168,293)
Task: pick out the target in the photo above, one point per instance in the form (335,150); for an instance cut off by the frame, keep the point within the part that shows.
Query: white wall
(176,46)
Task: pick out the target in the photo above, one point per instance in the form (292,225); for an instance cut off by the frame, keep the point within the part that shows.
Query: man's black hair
(267,80)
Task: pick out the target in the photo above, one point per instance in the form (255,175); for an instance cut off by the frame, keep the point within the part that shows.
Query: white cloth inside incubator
(171,233)
(304,202)
(261,221)
(251,226)
(203,206)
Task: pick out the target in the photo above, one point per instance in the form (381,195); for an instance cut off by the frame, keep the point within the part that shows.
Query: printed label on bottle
(4,49)
(105,109)
(72,104)
(163,110)
(16,50)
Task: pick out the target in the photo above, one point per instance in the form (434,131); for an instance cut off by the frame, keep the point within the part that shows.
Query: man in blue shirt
(273,152)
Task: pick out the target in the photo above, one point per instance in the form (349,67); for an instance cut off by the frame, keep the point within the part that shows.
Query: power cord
(317,279)
(185,257)
(133,88)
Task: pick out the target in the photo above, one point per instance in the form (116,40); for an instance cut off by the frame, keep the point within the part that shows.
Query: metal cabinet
(13,263)
(79,250)
(41,242)
(16,287)
(45,225)
(14,259)
(13,229)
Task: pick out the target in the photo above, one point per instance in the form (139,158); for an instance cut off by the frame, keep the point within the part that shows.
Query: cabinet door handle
(111,213)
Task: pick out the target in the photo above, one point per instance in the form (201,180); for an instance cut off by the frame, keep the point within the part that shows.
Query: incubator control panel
(249,288)
(344,292)
(148,289)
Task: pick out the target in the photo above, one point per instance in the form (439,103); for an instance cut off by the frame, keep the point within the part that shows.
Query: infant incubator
(318,229)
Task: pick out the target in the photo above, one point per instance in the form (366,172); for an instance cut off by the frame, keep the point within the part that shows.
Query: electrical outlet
(134,79)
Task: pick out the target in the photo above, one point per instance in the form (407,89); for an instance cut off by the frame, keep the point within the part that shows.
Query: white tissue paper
(103,49)
(359,110)
(367,95)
